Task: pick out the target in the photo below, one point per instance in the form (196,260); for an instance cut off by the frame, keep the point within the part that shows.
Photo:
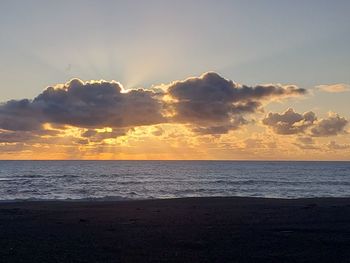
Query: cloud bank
(208,104)
(213,104)
(190,118)
(89,104)
(291,122)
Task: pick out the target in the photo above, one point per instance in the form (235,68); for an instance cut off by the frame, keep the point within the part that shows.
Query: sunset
(203,117)
(230,119)
(98,84)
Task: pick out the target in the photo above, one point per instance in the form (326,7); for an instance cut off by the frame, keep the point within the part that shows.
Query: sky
(252,80)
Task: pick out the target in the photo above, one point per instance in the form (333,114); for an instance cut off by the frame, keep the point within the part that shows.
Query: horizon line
(175,160)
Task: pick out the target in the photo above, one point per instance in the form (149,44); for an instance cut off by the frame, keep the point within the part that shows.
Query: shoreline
(214,229)
(117,199)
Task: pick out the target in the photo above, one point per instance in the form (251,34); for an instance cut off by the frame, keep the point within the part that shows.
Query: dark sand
(177,230)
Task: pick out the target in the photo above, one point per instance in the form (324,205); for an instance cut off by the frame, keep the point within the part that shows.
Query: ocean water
(118,180)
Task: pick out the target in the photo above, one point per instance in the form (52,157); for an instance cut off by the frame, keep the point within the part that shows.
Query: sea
(125,180)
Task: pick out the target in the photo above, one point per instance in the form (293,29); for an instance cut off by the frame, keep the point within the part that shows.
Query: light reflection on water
(168,179)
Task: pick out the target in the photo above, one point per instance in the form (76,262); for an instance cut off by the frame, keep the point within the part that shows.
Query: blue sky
(141,43)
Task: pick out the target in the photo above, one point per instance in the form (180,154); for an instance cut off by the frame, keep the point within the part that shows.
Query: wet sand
(177,230)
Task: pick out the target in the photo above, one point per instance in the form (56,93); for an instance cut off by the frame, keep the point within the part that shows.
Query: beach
(214,229)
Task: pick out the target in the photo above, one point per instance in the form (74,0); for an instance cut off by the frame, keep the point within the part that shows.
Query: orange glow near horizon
(200,118)
(168,142)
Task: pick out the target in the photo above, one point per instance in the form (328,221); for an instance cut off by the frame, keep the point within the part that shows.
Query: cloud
(20,115)
(306,143)
(13,136)
(289,122)
(8,136)
(333,125)
(83,104)
(334,88)
(235,123)
(214,104)
(210,104)
(99,104)
(158,131)
(14,148)
(332,145)
(98,136)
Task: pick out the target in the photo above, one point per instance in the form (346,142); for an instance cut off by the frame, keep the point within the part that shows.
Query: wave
(87,199)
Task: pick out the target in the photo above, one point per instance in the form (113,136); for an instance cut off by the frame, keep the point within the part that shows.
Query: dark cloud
(289,122)
(20,115)
(235,123)
(306,143)
(8,136)
(211,102)
(99,104)
(333,125)
(15,136)
(90,104)
(94,136)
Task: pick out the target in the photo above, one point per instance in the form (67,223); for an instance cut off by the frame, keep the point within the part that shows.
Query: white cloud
(334,88)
